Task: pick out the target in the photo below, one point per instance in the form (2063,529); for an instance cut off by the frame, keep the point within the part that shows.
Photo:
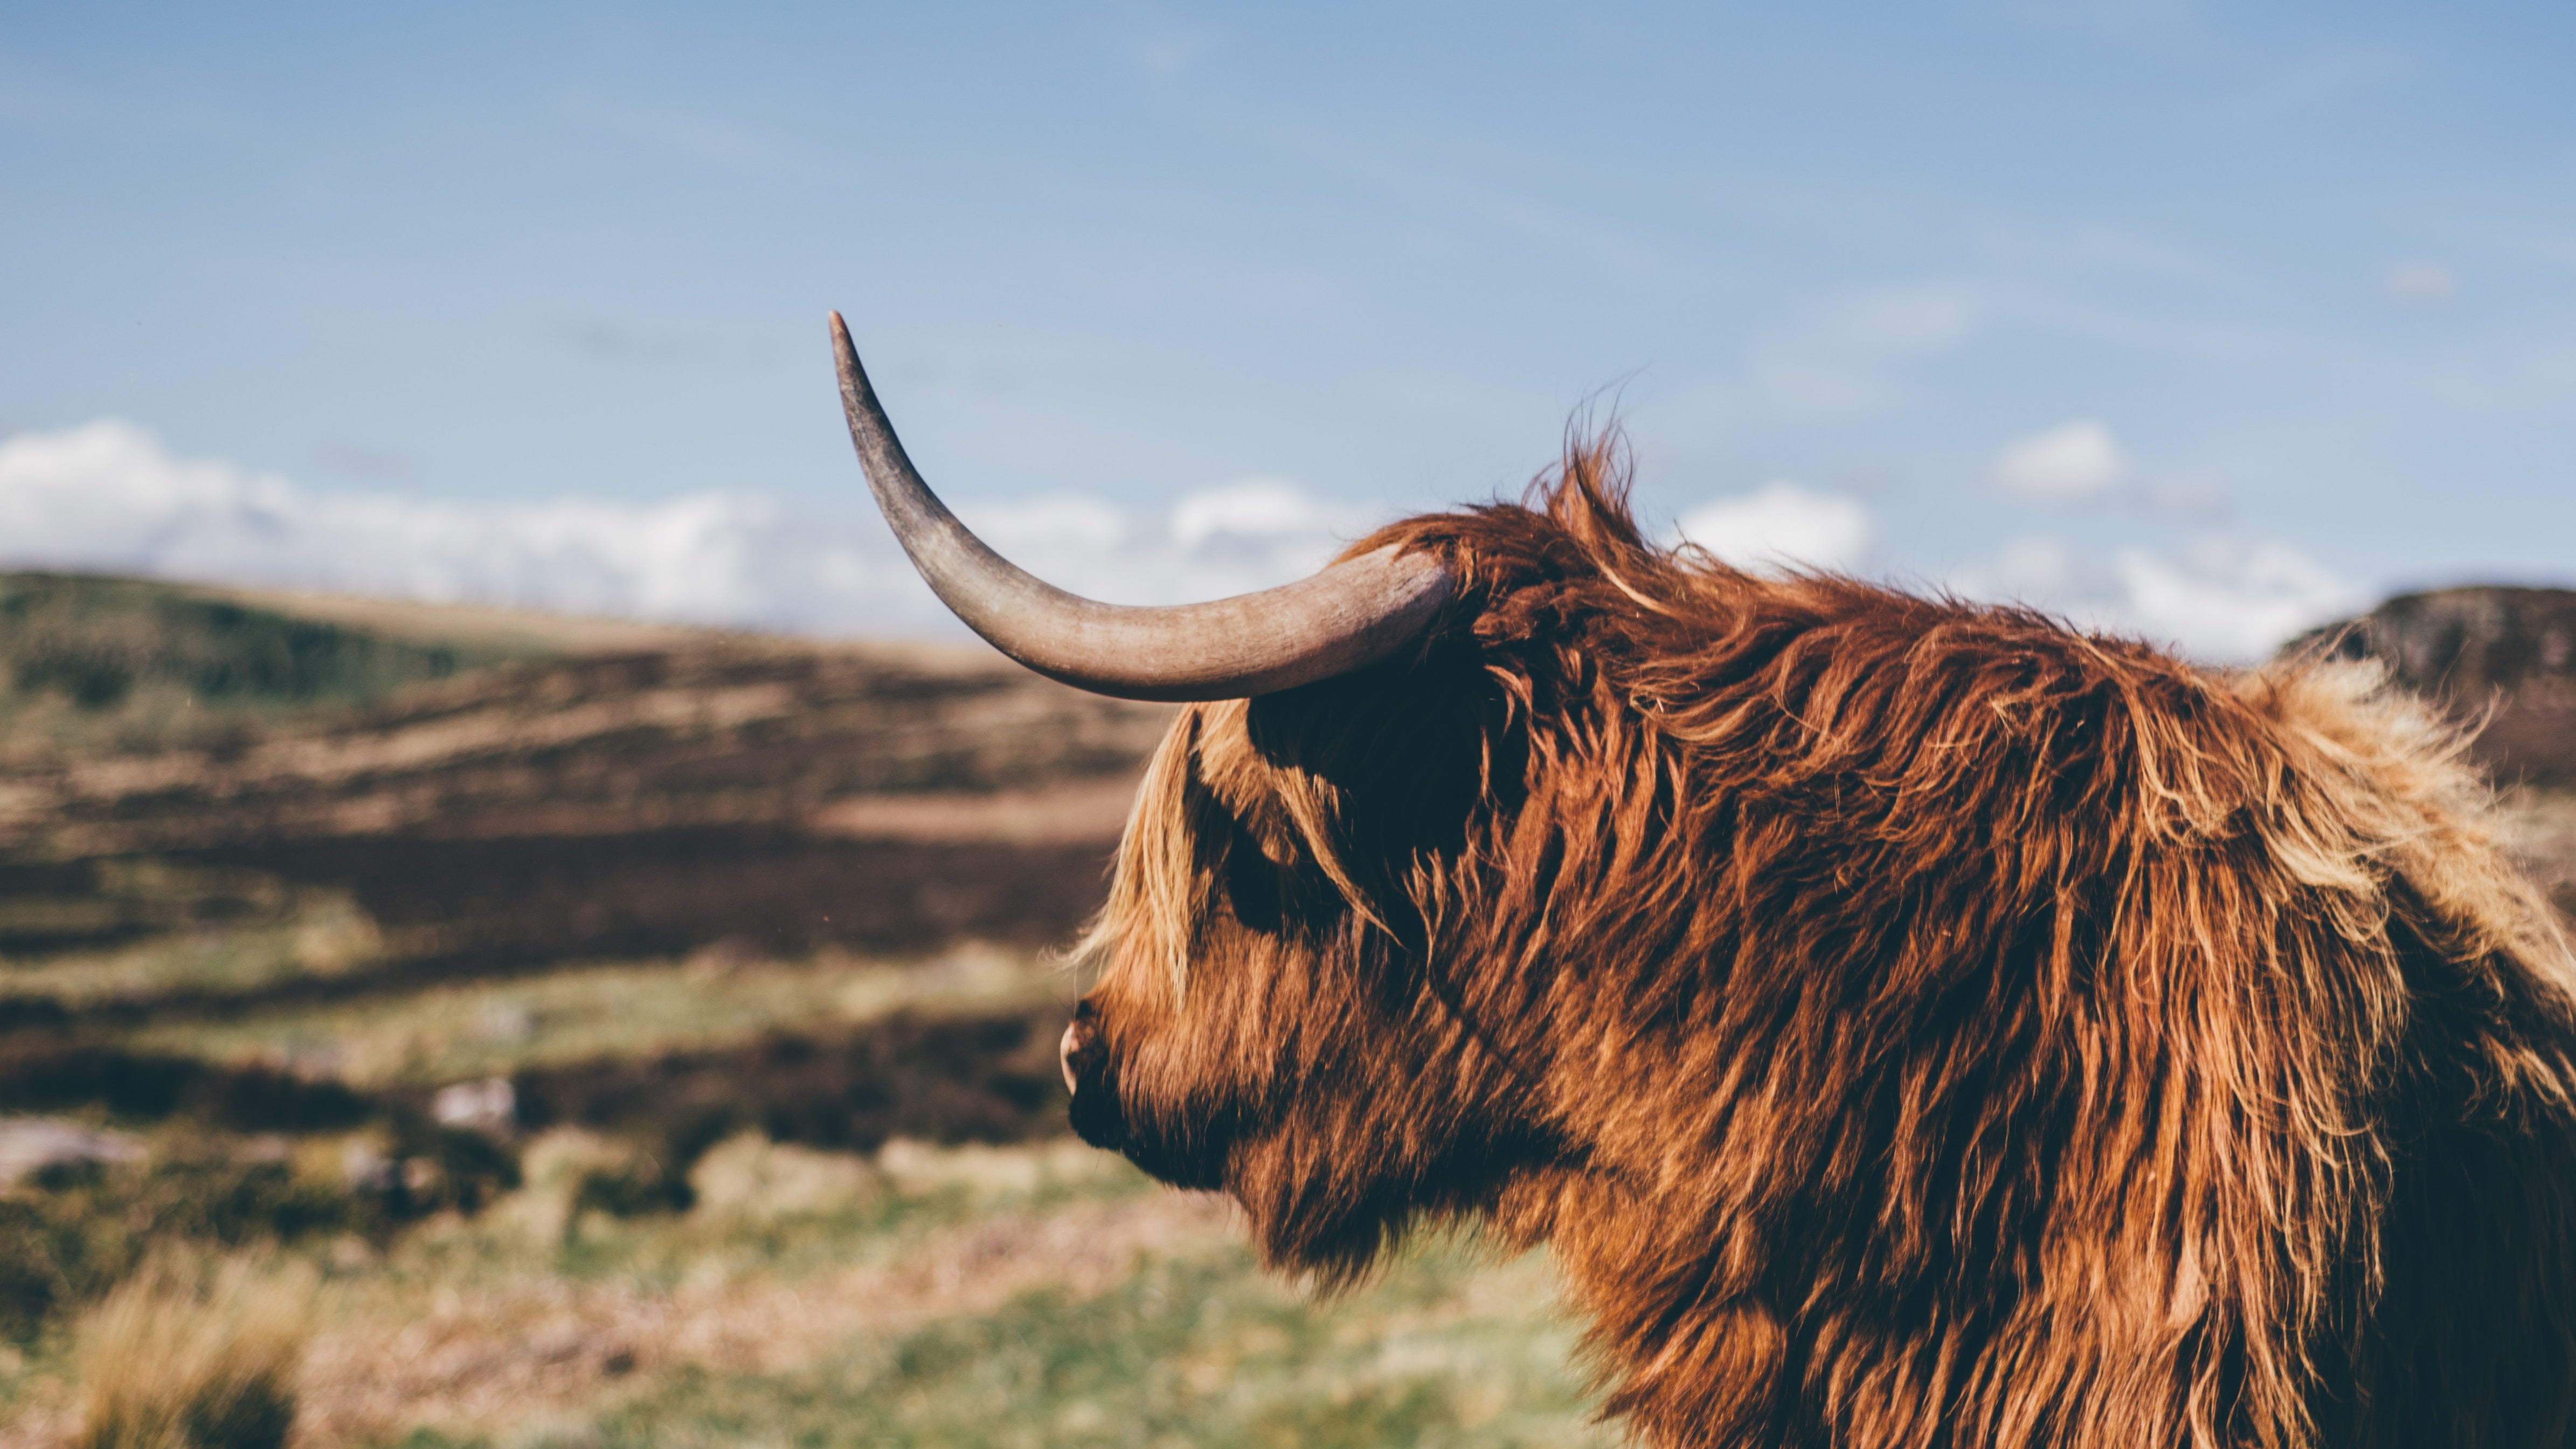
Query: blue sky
(2243,289)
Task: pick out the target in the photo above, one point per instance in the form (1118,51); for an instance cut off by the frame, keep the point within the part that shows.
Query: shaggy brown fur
(1912,1023)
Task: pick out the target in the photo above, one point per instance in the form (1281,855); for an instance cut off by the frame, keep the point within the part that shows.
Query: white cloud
(2231,598)
(1782,523)
(2073,460)
(2220,597)
(1224,540)
(106,496)
(2187,495)
(1061,522)
(1263,510)
(2043,572)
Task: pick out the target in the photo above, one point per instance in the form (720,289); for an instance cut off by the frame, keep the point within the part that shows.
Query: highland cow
(1910,1023)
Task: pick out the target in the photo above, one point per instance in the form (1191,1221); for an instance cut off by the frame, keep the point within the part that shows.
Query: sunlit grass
(907,1193)
(481,1029)
(1039,1295)
(1043,1294)
(1446,1349)
(301,934)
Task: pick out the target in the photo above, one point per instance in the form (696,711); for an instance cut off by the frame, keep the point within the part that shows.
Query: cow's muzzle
(1084,1055)
(1079,1053)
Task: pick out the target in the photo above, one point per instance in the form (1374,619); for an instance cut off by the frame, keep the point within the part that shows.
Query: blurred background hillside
(522,923)
(630,1035)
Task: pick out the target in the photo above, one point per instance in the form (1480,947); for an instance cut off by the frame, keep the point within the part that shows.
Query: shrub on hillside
(70,1235)
(990,1078)
(47,1072)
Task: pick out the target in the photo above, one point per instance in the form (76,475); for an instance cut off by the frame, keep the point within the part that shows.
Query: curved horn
(1353,613)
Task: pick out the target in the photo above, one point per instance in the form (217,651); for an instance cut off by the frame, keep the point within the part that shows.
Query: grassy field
(560,1291)
(661,1267)
(466,1030)
(1013,1296)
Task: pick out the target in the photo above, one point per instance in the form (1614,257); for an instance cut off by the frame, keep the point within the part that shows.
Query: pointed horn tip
(845,361)
(1099,647)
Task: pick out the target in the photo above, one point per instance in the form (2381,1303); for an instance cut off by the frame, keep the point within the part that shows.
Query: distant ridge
(91,662)
(492,789)
(105,663)
(2477,649)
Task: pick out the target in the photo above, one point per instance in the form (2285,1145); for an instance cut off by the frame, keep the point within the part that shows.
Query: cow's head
(1283,1011)
(1269,1018)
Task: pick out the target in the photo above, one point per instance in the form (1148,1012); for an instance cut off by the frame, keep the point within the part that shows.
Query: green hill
(90,662)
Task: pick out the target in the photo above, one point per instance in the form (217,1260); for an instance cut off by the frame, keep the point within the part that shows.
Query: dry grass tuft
(568,1172)
(480,1362)
(987,1173)
(749,1177)
(178,1358)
